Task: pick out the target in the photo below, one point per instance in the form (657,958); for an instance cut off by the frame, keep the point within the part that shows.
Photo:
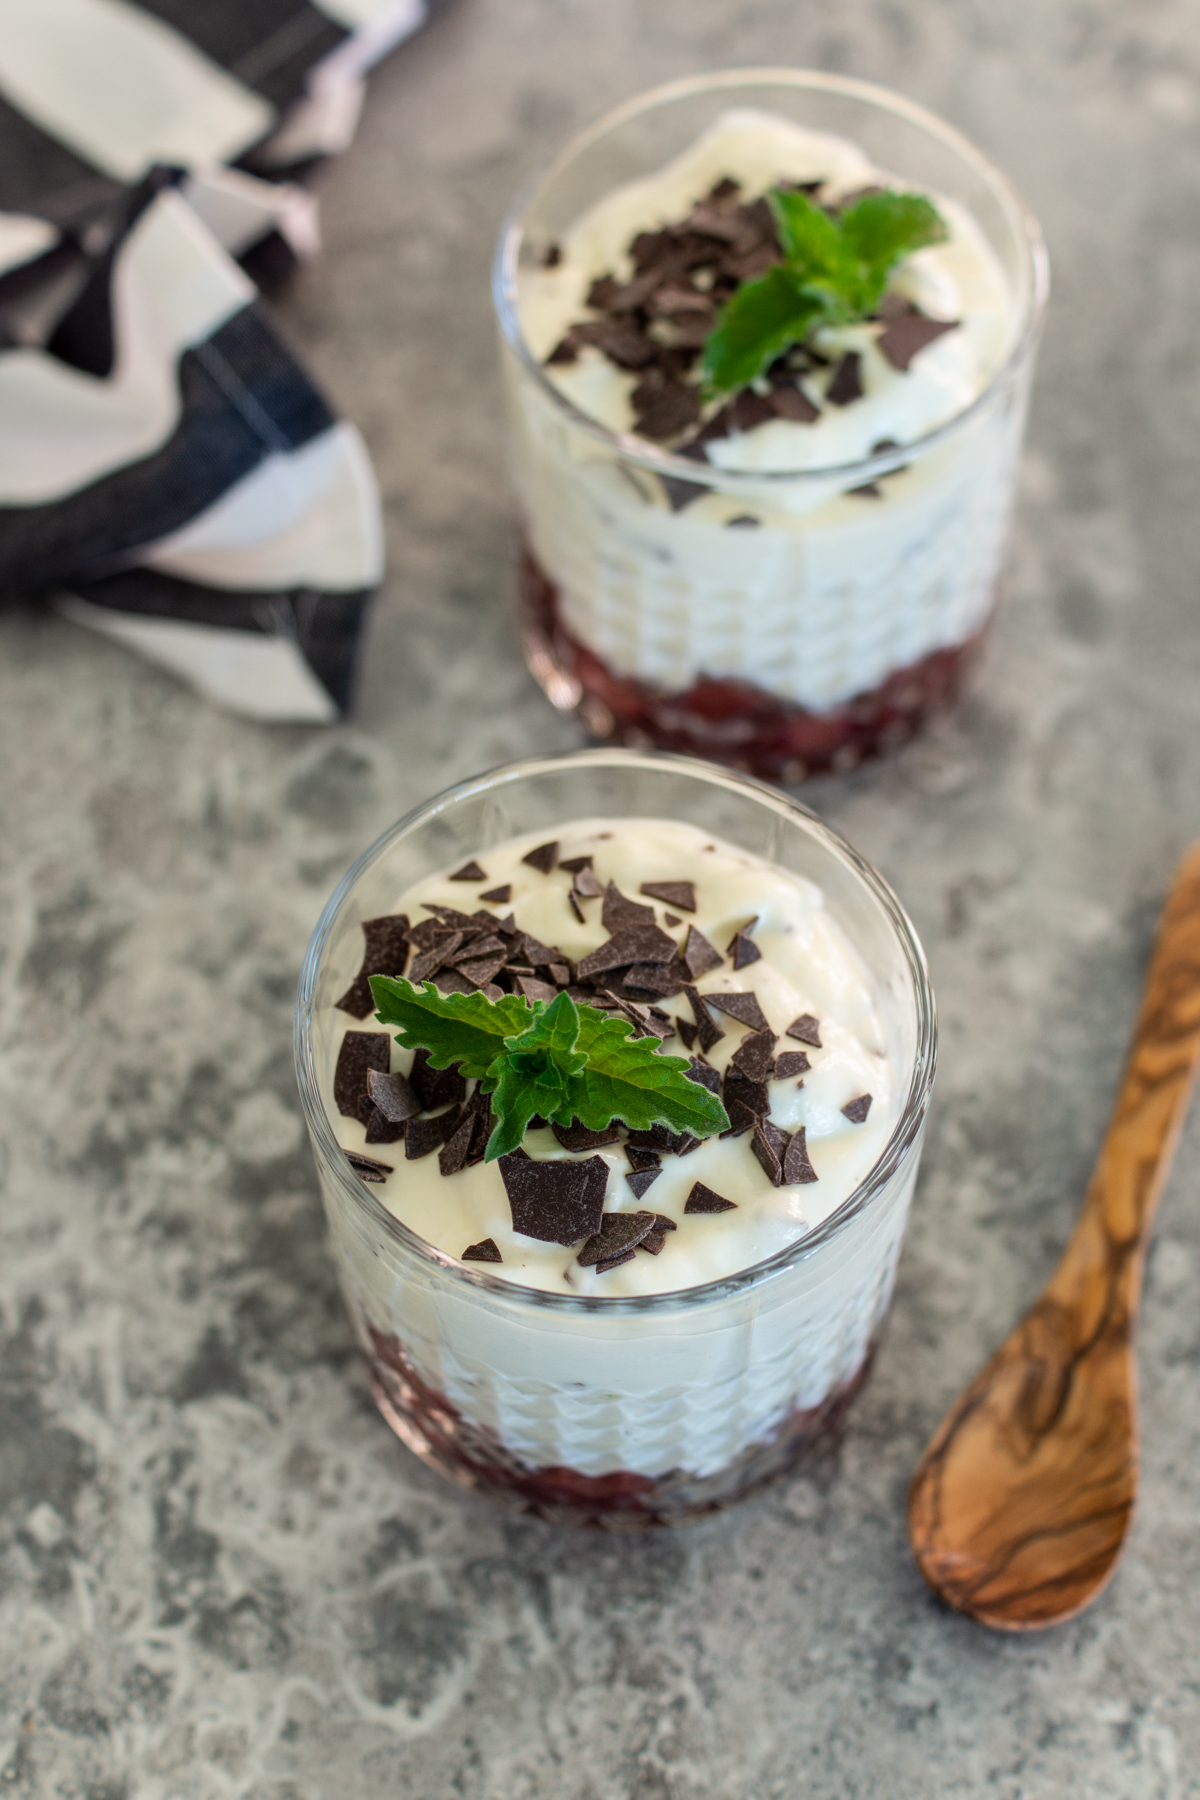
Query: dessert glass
(647,1409)
(828,631)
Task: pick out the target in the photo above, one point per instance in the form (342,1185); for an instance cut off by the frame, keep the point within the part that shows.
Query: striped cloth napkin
(169,473)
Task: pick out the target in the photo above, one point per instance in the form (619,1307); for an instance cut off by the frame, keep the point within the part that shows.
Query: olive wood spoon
(1019,1508)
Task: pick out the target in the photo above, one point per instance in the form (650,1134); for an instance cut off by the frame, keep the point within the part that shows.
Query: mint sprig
(834,271)
(559,1061)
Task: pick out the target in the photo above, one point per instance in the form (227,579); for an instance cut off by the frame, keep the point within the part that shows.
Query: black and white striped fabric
(169,473)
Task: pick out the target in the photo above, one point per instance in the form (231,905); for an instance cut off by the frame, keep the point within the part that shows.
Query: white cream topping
(807,966)
(959,279)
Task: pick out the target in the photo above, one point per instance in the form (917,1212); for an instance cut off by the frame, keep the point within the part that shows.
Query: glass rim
(382,1221)
(667,464)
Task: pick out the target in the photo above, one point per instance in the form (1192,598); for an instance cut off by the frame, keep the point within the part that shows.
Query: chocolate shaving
(743,950)
(633,944)
(789,1063)
(484,1251)
(480,972)
(501,897)
(478,947)
(619,1231)
(431,961)
(640,1179)
(642,1159)
(846,385)
(435,1087)
(385,952)
(686,1031)
(574,865)
(573,903)
(449,981)
(543,859)
(538,955)
(656,1137)
(703,1200)
(671,408)
(367,1167)
(770,1145)
(454,1153)
(752,1058)
(360,1052)
(423,1135)
(792,403)
(806,1029)
(857,1110)
(654,1241)
(577,1137)
(673,893)
(664,980)
(533,989)
(796,1167)
(470,871)
(586,884)
(707,1030)
(619,912)
(393,1096)
(380,1129)
(614,1262)
(699,955)
(742,1006)
(905,336)
(704,1075)
(557,1202)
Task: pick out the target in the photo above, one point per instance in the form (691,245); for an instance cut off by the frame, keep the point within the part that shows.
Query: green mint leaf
(756,325)
(628,1078)
(535,1075)
(468,1029)
(880,230)
(834,272)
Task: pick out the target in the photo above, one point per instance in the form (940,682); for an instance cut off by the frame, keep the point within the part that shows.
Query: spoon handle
(1099,1277)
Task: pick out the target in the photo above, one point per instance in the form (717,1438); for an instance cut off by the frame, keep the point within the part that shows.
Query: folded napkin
(169,473)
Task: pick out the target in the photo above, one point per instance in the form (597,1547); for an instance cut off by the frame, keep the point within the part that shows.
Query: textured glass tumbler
(845,601)
(648,1409)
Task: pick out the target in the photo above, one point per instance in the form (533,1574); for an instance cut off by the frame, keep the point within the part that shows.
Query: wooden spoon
(1019,1508)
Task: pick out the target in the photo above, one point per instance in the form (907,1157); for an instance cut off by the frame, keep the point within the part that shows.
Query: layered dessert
(626,1062)
(766,422)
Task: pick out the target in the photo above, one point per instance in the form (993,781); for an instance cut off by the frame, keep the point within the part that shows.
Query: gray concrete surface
(219,1575)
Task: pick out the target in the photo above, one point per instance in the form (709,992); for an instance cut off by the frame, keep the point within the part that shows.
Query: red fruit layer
(728,721)
(434,1428)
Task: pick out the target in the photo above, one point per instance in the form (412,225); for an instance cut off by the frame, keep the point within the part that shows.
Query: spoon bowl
(1020,1506)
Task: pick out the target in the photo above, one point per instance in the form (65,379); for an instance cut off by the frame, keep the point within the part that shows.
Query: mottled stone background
(219,1574)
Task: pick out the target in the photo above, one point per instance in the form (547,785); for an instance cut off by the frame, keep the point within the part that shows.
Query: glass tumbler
(781,623)
(636,1410)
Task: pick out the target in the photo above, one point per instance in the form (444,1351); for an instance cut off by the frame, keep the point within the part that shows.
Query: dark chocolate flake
(382,1130)
(575,865)
(392,1095)
(385,952)
(435,1087)
(752,1058)
(633,944)
(699,955)
(470,871)
(543,859)
(770,1145)
(360,1052)
(619,912)
(672,893)
(742,950)
(846,385)
(577,1137)
(619,1231)
(586,885)
(654,1241)
(484,1251)
(707,1030)
(796,1167)
(533,989)
(742,1006)
(905,336)
(705,1074)
(614,1262)
(789,1063)
(424,1135)
(501,897)
(857,1110)
(703,1200)
(454,1153)
(367,1167)
(806,1030)
(638,1180)
(558,1202)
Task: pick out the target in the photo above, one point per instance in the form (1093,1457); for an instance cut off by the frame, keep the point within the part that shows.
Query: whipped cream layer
(806,966)
(802,587)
